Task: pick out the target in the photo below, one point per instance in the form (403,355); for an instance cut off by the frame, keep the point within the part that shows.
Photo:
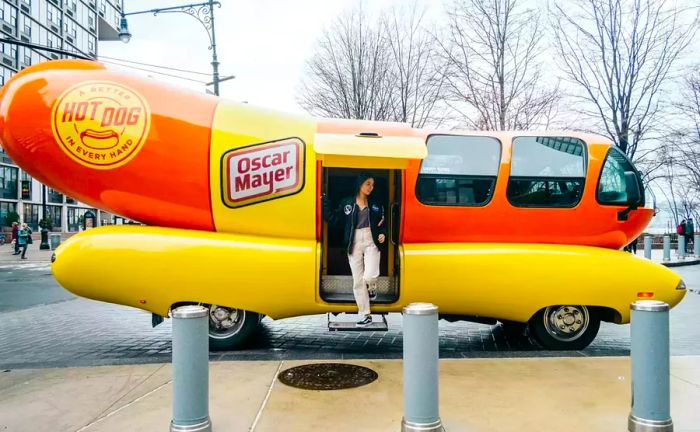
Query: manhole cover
(327,376)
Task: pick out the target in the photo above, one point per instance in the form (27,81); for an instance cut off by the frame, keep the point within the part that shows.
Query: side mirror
(634,194)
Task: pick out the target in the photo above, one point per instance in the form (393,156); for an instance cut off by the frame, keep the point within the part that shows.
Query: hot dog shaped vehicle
(520,227)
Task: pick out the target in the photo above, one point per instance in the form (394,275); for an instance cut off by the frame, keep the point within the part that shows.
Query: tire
(231,328)
(564,327)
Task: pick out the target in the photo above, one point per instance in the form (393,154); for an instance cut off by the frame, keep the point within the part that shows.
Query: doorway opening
(336,278)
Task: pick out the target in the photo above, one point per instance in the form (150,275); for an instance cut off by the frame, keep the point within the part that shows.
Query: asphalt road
(42,325)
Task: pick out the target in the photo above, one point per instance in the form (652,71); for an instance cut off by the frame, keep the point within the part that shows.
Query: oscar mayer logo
(100,124)
(262,172)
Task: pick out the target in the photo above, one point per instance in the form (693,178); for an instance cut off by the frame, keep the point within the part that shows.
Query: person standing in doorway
(364,233)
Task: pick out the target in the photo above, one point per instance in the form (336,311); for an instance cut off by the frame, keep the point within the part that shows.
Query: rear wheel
(564,327)
(230,328)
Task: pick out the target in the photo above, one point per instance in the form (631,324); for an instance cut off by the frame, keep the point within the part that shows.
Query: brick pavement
(83,332)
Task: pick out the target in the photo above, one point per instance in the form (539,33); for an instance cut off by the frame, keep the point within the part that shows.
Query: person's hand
(381,238)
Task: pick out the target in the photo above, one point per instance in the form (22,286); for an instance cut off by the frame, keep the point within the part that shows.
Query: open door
(343,158)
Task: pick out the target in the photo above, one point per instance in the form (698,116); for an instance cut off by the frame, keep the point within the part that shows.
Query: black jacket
(346,216)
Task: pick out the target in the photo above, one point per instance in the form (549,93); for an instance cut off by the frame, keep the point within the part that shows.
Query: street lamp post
(203,12)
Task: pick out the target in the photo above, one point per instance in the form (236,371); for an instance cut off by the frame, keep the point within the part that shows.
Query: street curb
(681,263)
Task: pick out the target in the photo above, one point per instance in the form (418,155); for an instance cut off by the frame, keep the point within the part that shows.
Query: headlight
(681,285)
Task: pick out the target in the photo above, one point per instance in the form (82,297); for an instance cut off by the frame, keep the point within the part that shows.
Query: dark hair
(361,179)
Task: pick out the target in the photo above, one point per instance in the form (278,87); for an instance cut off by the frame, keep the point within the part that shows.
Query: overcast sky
(264,43)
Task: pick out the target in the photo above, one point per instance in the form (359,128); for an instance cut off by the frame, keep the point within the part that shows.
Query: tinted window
(546,172)
(611,187)
(459,170)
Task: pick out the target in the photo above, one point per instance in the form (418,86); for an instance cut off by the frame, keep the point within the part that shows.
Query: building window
(5,209)
(91,45)
(31,216)
(8,14)
(546,172)
(4,158)
(76,218)
(8,182)
(26,26)
(54,196)
(459,170)
(70,200)
(26,186)
(55,212)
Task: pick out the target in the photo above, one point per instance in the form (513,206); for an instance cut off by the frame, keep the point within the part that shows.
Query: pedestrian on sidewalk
(24,238)
(689,231)
(15,231)
(633,246)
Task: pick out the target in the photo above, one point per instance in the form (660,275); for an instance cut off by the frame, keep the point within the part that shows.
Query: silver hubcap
(224,322)
(566,323)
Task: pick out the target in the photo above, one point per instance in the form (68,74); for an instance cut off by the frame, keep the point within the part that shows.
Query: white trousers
(364,264)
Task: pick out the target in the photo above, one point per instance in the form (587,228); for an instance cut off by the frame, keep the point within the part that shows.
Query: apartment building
(68,25)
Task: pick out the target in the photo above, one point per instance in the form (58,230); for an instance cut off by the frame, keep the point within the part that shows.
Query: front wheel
(564,327)
(230,328)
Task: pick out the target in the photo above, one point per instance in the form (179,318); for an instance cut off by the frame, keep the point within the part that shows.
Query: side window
(459,170)
(547,172)
(612,188)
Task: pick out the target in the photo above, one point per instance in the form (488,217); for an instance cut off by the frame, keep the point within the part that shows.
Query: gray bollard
(190,370)
(681,247)
(696,245)
(667,248)
(647,247)
(649,355)
(420,369)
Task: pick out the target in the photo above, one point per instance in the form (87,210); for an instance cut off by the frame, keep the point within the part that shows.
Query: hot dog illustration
(99,140)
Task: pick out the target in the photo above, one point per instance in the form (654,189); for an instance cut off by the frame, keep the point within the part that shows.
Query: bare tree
(379,69)
(493,49)
(686,136)
(668,182)
(349,75)
(620,53)
(417,74)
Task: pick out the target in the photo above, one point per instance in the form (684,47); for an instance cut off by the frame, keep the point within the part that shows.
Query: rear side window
(459,170)
(612,188)
(547,172)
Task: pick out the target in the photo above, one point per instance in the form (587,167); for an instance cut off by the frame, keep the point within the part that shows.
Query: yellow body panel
(351,151)
(153,268)
(237,125)
(513,281)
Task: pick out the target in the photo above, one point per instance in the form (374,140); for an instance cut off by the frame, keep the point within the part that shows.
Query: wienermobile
(518,227)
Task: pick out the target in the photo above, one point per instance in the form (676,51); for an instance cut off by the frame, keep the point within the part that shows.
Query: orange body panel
(167,181)
(589,223)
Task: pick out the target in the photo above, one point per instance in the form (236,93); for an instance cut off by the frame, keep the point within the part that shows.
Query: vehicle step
(352,326)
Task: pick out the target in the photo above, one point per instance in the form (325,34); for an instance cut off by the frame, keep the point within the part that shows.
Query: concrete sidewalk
(587,394)
(34,254)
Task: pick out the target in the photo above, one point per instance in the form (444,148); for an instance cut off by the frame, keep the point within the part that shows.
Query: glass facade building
(68,25)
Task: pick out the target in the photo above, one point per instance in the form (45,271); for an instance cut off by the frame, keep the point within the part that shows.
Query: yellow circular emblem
(100,124)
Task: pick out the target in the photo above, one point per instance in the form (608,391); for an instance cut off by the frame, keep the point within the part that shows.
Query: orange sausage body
(166,182)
